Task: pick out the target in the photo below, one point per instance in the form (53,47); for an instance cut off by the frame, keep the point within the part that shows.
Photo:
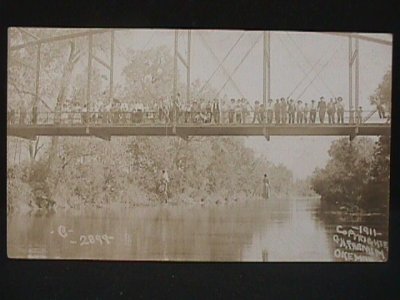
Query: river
(291,229)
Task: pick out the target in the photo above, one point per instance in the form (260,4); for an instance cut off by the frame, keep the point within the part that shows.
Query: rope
(319,72)
(308,62)
(220,63)
(244,57)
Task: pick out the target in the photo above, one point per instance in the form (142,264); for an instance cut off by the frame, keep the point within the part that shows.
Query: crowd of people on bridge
(217,111)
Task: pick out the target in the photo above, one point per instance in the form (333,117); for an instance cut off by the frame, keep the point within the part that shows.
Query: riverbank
(174,202)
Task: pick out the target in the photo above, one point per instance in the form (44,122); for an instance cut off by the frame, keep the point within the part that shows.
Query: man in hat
(165,183)
(266,187)
(224,111)
(299,112)
(245,109)
(216,111)
(238,111)
(331,110)
(195,111)
(231,111)
(277,110)
(270,111)
(283,107)
(321,109)
(208,112)
(291,111)
(379,107)
(340,110)
(313,111)
(306,113)
(359,115)
(256,115)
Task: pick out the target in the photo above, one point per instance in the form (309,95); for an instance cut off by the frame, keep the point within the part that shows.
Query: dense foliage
(70,172)
(356,176)
(128,170)
(384,90)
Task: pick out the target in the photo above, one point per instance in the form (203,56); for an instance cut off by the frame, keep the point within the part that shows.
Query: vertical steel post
(112,66)
(8,67)
(175,82)
(37,76)
(357,66)
(351,115)
(89,72)
(266,68)
(189,40)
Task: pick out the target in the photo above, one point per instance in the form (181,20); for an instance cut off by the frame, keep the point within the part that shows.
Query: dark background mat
(24,279)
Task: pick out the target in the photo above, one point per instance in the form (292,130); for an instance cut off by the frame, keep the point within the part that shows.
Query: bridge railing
(123,118)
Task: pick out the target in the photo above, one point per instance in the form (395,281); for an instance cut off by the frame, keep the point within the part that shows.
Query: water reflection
(275,230)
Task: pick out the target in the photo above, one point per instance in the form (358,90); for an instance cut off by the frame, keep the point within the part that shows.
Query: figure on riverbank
(266,187)
(165,182)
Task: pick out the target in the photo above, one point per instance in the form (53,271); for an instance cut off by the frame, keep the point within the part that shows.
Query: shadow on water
(272,230)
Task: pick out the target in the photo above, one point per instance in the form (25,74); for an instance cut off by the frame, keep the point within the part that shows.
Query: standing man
(256,115)
(340,110)
(380,108)
(224,111)
(266,191)
(299,112)
(359,115)
(208,112)
(165,183)
(245,109)
(283,108)
(270,111)
(306,112)
(262,113)
(194,111)
(292,111)
(321,109)
(231,110)
(331,109)
(277,110)
(187,112)
(216,111)
(313,111)
(238,111)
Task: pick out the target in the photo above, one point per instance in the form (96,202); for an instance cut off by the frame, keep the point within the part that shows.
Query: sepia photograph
(198,145)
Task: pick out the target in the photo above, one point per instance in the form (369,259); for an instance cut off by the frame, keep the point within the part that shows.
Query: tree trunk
(66,79)
(65,82)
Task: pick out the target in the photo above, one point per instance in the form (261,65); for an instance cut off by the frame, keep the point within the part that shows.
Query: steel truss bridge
(106,131)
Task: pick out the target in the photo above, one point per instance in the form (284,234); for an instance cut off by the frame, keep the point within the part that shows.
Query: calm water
(273,230)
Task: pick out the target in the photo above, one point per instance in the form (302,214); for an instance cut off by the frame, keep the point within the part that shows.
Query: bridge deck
(184,130)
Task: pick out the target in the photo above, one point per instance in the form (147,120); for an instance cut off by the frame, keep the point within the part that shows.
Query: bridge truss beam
(354,80)
(266,67)
(106,131)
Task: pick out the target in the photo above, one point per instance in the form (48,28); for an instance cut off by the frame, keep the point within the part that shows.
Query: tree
(384,90)
(376,193)
(345,176)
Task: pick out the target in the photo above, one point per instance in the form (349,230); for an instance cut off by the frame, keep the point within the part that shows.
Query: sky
(303,65)
(321,58)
